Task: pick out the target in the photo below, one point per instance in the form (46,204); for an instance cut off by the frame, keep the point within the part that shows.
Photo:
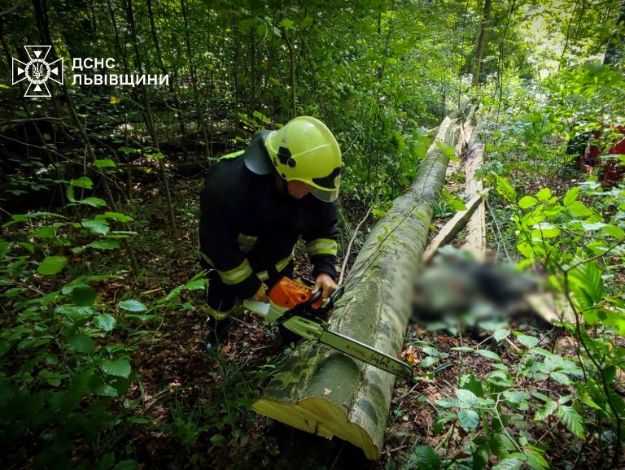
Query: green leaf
(509,464)
(428,362)
(469,420)
(527,201)
(106,244)
(82,182)
(132,306)
(96,226)
(117,368)
(516,396)
(544,230)
(579,209)
(118,216)
(105,390)
(546,410)
(544,194)
(107,163)
(105,322)
(611,231)
(467,398)
(489,355)
(571,196)
(52,265)
(4,248)
(528,341)
(535,459)
(504,188)
(287,23)
(83,296)
(501,334)
(423,458)
(81,343)
(560,378)
(93,202)
(446,150)
(572,420)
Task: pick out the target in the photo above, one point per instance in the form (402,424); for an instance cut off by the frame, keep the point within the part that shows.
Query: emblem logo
(37,71)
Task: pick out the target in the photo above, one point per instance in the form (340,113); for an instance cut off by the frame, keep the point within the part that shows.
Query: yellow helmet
(305,150)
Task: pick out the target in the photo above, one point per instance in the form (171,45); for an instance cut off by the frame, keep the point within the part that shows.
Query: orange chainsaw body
(287,293)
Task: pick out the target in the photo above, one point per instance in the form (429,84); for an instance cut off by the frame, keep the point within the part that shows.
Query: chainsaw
(294,306)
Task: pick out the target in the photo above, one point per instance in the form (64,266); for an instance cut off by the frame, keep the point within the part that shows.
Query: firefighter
(256,204)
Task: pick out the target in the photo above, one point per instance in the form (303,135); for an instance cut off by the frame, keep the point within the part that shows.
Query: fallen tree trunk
(475,240)
(327,393)
(453,226)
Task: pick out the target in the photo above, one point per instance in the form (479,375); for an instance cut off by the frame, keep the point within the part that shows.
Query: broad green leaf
(546,410)
(525,249)
(504,188)
(613,231)
(501,334)
(106,163)
(81,343)
(545,230)
(571,196)
(4,248)
(423,458)
(560,378)
(114,215)
(132,305)
(572,420)
(509,464)
(117,368)
(467,397)
(469,420)
(105,322)
(82,182)
(83,296)
(516,396)
(489,355)
(105,390)
(106,244)
(45,232)
(52,265)
(428,362)
(527,201)
(96,226)
(528,341)
(446,150)
(93,202)
(544,194)
(472,383)
(196,284)
(535,459)
(579,209)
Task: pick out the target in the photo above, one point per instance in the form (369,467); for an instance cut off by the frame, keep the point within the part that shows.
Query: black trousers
(220,298)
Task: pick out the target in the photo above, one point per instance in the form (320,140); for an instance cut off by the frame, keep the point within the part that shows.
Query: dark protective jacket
(249,227)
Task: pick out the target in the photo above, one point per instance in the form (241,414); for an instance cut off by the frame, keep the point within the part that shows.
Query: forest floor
(192,405)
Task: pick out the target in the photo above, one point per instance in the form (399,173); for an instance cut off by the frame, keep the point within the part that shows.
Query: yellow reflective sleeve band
(322,246)
(283,263)
(228,156)
(217,314)
(236,275)
(263,275)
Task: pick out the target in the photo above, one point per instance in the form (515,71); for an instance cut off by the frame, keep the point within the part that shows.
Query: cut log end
(319,416)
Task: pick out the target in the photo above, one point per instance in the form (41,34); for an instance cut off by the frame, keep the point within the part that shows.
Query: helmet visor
(325,196)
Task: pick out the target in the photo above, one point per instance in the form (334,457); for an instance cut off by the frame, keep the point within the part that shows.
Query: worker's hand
(261,293)
(326,284)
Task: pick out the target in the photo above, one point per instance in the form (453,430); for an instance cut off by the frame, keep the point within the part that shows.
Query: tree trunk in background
(615,50)
(325,392)
(481,43)
(149,119)
(194,78)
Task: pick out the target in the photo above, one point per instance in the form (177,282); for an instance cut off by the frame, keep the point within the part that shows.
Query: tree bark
(481,43)
(615,50)
(327,393)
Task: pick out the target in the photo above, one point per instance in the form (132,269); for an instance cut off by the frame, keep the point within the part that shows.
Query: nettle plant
(579,240)
(62,371)
(508,414)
